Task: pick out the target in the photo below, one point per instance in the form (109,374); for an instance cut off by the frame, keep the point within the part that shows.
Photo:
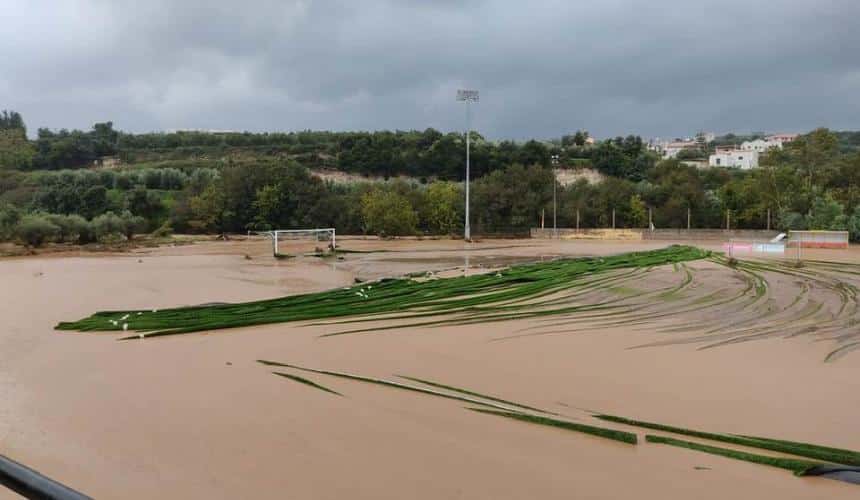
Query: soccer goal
(735,246)
(280,237)
(818,239)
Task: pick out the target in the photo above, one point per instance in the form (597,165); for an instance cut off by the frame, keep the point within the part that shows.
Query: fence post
(613,218)
(688,218)
(799,246)
(650,220)
(577,220)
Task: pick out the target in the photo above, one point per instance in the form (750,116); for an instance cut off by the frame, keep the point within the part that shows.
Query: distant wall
(708,234)
(657,234)
(588,234)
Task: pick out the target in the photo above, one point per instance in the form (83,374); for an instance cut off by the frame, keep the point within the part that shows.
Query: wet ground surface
(701,345)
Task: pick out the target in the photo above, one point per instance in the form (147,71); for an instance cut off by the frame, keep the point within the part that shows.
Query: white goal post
(326,234)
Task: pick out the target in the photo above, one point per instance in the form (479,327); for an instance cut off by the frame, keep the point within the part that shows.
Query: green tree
(792,221)
(107,225)
(132,224)
(443,208)
(290,198)
(16,152)
(12,120)
(209,211)
(9,217)
(511,199)
(387,213)
(35,230)
(72,228)
(147,204)
(853,225)
(827,214)
(638,212)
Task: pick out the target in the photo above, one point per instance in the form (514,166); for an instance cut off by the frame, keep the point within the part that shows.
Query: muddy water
(195,416)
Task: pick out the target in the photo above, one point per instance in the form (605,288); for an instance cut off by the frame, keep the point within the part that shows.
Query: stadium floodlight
(468,96)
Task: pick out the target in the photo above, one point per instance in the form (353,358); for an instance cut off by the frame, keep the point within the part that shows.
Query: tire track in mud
(825,302)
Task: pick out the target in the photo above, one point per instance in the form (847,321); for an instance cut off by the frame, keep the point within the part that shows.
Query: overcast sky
(543,67)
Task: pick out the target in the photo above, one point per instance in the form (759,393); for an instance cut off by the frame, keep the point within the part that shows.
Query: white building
(760,145)
(773,141)
(782,138)
(672,149)
(737,158)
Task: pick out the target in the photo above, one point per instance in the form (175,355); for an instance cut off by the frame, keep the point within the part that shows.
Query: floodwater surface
(196,416)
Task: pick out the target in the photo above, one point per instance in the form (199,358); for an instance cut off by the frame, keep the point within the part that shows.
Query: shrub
(9,217)
(132,224)
(164,231)
(34,230)
(73,228)
(106,225)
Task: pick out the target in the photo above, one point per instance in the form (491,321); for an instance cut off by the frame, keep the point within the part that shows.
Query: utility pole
(613,218)
(468,96)
(688,218)
(577,220)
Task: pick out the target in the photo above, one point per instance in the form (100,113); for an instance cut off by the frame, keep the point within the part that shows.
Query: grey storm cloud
(544,68)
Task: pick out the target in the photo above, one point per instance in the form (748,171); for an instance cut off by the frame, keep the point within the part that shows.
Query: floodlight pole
(468,230)
(554,203)
(468,96)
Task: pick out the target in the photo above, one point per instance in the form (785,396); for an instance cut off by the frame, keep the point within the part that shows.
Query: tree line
(428,154)
(812,183)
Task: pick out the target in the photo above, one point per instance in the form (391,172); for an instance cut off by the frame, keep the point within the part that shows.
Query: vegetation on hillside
(235,182)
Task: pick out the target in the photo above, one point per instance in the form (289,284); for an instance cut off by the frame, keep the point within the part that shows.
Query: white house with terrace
(734,158)
(771,141)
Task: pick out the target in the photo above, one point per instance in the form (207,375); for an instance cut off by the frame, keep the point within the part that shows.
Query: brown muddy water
(195,416)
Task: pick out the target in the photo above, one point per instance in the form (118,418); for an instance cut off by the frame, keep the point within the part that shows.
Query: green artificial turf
(624,437)
(799,467)
(305,381)
(395,385)
(471,393)
(808,450)
(513,293)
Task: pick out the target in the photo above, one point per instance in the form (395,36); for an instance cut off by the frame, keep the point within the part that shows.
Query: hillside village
(694,150)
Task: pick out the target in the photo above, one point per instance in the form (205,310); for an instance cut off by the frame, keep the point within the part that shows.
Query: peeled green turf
(516,292)
(495,406)
(305,381)
(393,384)
(471,393)
(799,467)
(624,437)
(808,450)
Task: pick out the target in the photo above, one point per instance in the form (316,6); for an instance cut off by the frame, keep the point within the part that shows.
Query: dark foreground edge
(30,484)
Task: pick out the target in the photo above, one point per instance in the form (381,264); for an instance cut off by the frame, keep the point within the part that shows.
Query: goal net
(818,239)
(735,246)
(294,241)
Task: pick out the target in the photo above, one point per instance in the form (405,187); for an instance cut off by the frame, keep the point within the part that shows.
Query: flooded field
(762,348)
